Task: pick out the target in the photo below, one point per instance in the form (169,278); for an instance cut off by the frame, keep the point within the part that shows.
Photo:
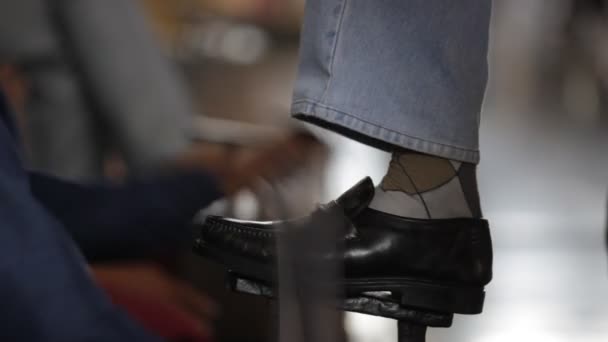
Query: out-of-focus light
(365,328)
(244,44)
(245,205)
(521,335)
(233,42)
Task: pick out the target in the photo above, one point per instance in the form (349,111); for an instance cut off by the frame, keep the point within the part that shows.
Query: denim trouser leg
(396,73)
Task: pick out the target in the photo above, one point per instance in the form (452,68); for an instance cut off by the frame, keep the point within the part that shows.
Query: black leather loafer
(438,265)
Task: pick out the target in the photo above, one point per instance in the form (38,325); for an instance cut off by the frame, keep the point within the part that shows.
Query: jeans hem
(347,124)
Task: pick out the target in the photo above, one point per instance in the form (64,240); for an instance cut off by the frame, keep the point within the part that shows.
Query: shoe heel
(461,300)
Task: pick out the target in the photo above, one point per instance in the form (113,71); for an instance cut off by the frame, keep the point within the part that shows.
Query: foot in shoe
(435,264)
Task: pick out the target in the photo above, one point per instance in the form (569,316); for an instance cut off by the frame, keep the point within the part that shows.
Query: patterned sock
(424,186)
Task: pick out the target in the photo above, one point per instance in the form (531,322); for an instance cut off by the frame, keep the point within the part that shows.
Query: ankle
(425,186)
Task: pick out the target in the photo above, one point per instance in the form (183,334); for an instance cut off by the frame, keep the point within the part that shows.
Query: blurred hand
(238,168)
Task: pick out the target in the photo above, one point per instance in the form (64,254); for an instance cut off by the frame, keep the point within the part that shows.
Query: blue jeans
(396,73)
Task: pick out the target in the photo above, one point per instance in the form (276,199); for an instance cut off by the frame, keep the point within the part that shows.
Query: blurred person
(99,82)
(407,77)
(585,32)
(75,101)
(101,93)
(568,50)
(50,225)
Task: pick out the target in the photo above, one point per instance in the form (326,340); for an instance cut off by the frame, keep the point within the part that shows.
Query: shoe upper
(372,244)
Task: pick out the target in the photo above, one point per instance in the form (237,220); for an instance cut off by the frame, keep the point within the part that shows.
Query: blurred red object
(161,303)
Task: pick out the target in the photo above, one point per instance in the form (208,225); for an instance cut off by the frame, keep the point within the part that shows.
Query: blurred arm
(133,220)
(47,293)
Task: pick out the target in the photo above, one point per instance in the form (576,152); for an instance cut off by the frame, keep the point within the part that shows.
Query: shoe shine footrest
(374,303)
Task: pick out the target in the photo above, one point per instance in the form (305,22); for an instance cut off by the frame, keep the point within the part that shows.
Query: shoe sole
(413,293)
(375,304)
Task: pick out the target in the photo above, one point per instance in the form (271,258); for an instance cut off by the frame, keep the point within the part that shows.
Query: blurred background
(110,89)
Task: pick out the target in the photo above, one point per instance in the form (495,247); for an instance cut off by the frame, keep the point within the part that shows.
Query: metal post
(408,332)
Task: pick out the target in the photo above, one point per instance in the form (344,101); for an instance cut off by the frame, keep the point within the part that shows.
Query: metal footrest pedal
(412,323)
